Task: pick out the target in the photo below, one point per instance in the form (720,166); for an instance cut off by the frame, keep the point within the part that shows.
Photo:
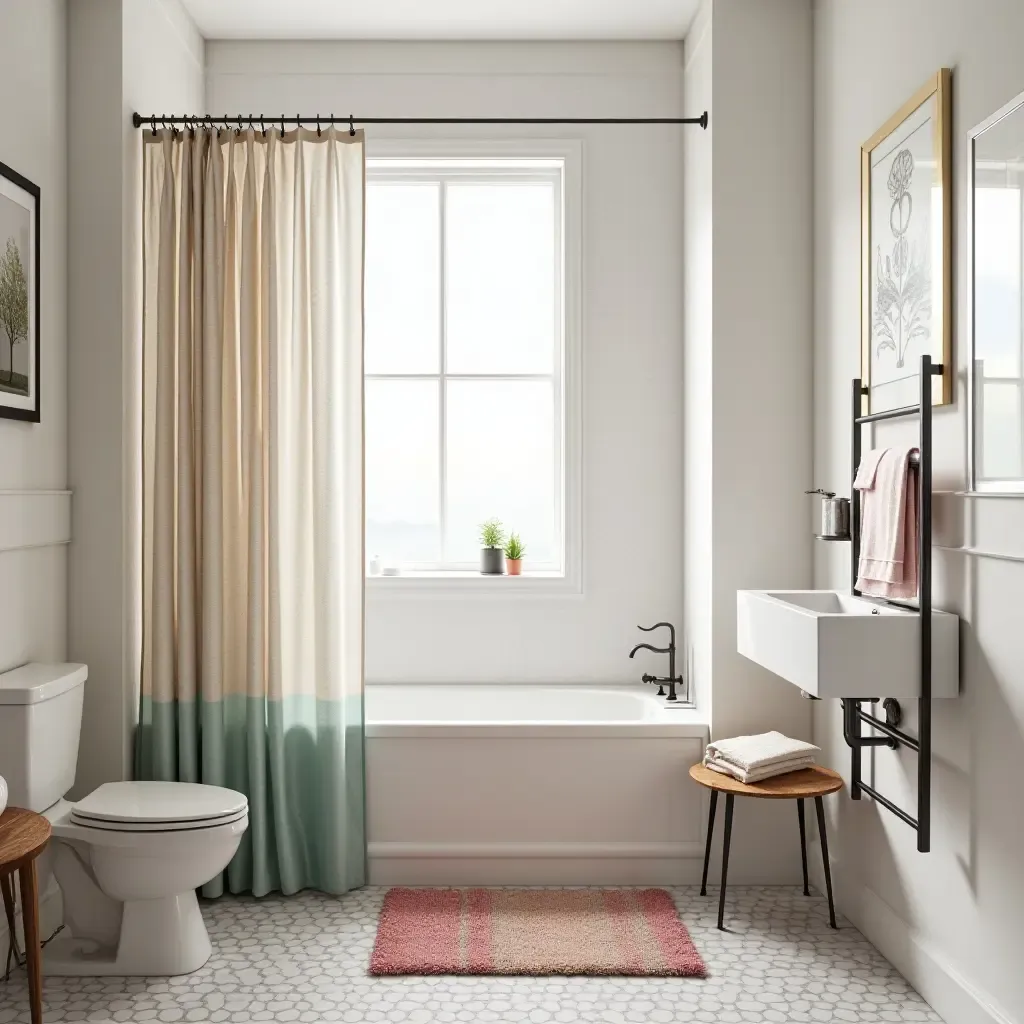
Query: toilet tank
(40,721)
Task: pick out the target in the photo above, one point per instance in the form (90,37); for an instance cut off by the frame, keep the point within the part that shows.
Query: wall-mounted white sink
(837,645)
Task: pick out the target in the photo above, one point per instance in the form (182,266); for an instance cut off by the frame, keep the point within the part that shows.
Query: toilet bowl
(130,855)
(128,859)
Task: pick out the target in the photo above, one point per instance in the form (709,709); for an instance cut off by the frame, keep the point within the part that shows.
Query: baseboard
(955,999)
(51,913)
(393,863)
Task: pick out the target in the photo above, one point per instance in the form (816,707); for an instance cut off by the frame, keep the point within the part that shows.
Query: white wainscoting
(534,810)
(34,519)
(35,528)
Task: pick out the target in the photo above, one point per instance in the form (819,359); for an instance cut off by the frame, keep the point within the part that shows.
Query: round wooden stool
(814,781)
(23,836)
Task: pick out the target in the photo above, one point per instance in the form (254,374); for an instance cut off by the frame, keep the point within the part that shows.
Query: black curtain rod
(263,122)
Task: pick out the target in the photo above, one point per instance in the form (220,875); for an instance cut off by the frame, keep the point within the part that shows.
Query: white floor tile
(303,958)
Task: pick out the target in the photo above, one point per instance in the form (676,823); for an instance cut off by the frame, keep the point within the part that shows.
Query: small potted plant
(514,551)
(492,557)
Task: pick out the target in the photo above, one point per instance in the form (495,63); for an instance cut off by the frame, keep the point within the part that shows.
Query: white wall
(748,369)
(632,329)
(949,919)
(761,352)
(124,55)
(33,457)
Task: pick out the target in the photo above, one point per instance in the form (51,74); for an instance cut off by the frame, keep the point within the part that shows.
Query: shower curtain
(252,674)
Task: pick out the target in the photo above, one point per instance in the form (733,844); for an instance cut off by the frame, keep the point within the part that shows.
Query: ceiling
(442,19)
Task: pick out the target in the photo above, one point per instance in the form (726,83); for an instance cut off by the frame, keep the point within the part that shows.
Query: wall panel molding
(34,519)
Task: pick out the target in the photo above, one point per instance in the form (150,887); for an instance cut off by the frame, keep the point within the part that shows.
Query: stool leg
(33,954)
(729,798)
(820,808)
(707,849)
(7,891)
(803,842)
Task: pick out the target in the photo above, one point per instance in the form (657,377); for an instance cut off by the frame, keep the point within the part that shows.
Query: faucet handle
(648,678)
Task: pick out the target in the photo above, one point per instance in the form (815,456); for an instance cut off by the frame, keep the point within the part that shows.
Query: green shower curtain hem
(300,762)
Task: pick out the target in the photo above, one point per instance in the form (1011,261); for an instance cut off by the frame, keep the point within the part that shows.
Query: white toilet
(129,856)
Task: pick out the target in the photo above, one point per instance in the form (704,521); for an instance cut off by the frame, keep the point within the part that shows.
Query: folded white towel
(754,752)
(760,774)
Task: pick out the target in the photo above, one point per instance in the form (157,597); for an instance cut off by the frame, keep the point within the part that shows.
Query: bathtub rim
(678,721)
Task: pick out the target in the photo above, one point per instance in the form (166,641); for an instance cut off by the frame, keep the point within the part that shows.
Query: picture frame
(906,249)
(20,363)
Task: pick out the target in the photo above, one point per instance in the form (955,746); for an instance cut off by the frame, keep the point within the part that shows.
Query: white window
(467,343)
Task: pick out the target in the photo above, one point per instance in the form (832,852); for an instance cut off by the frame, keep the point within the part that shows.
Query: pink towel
(887,481)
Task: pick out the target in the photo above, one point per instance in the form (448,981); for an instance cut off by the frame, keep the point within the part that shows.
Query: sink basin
(837,645)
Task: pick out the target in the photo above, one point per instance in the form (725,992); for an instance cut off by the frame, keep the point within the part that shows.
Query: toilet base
(161,937)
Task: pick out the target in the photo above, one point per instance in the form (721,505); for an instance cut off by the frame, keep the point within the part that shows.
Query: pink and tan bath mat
(533,931)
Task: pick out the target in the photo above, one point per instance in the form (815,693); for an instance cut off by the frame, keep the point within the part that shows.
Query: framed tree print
(906,250)
(19,296)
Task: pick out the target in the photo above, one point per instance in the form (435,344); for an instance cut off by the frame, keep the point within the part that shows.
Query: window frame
(525,160)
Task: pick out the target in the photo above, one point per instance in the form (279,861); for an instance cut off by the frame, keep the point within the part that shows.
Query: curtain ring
(263,127)
(152,123)
(351,125)
(282,126)
(252,127)
(318,126)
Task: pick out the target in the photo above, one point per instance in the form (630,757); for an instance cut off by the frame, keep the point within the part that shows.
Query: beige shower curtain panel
(252,671)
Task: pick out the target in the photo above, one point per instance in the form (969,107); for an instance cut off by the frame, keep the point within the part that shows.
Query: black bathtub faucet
(672,679)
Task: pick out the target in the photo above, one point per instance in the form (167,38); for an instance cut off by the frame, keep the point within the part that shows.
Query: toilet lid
(182,804)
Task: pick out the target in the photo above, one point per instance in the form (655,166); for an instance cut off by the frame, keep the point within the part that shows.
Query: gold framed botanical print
(906,250)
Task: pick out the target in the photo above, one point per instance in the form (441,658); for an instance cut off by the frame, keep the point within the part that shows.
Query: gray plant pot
(492,562)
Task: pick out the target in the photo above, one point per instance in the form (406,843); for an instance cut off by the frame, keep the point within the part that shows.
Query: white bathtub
(521,785)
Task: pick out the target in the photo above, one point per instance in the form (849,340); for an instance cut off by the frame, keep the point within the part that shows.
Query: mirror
(996,372)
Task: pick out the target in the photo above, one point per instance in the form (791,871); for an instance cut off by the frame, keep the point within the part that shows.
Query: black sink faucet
(672,679)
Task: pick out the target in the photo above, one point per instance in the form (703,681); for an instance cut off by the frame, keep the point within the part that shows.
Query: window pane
(501,462)
(997,274)
(402,292)
(501,278)
(402,474)
(1001,426)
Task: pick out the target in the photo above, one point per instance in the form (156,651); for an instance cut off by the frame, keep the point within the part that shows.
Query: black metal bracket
(853,715)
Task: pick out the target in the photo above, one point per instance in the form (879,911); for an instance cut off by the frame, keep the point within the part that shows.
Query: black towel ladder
(853,713)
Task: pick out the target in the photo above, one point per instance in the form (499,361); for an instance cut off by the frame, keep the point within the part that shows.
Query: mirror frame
(1009,488)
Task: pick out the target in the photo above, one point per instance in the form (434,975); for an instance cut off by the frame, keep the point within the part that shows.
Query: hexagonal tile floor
(304,958)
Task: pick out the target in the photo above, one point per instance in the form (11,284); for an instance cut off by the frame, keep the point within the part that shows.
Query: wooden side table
(814,781)
(23,836)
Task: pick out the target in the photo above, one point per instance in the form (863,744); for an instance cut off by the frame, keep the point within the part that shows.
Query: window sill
(473,583)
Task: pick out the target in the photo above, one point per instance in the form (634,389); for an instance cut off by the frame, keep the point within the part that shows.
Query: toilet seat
(158,807)
(103,825)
